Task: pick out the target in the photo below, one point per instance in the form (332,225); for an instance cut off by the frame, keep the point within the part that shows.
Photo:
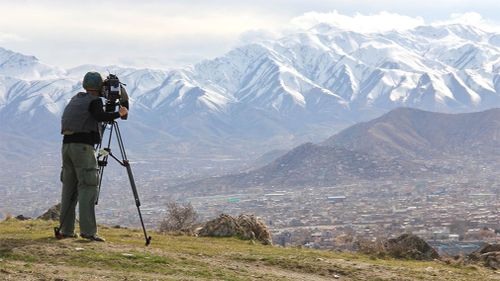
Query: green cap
(92,81)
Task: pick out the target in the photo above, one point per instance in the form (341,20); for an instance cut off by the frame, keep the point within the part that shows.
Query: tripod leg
(132,183)
(137,202)
(102,163)
(126,164)
(101,172)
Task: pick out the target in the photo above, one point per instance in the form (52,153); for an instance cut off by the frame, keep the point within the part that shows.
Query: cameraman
(81,128)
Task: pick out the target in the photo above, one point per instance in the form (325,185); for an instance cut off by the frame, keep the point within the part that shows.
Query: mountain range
(415,134)
(403,144)
(302,87)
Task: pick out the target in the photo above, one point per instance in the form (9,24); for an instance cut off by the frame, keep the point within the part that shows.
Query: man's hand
(123,111)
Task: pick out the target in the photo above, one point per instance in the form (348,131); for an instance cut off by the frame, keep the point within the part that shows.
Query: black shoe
(93,237)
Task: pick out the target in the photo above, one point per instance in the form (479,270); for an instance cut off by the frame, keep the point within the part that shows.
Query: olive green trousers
(79,178)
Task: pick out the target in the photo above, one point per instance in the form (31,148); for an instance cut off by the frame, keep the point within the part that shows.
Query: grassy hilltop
(28,251)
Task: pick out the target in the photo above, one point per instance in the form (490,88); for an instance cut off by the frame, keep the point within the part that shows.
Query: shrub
(373,248)
(179,219)
(8,216)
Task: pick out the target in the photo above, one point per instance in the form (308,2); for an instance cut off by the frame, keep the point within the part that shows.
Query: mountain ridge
(428,132)
(322,77)
(277,94)
(405,143)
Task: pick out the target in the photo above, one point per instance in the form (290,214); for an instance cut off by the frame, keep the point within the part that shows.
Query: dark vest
(76,117)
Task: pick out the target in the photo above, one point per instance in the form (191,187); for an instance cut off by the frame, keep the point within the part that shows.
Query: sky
(168,34)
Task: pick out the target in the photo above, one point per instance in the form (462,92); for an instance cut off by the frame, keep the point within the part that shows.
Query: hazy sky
(156,33)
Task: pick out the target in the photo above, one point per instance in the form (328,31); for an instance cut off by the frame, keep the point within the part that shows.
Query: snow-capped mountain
(26,67)
(304,86)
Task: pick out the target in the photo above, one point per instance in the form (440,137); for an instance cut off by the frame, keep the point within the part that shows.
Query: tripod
(124,162)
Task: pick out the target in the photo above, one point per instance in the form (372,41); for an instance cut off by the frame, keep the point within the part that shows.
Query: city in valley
(455,212)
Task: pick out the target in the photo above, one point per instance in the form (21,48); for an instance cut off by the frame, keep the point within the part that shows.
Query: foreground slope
(28,252)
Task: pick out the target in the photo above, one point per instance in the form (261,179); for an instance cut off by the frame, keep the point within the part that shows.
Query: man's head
(92,82)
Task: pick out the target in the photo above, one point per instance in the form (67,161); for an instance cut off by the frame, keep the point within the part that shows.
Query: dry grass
(29,252)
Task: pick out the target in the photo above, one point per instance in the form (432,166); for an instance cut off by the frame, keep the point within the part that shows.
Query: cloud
(471,18)
(383,21)
(175,33)
(113,32)
(259,35)
(9,37)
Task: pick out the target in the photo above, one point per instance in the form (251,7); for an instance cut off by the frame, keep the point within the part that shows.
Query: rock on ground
(244,227)
(409,246)
(52,214)
(489,254)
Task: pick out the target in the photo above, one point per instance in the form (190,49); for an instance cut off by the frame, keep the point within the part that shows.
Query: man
(81,129)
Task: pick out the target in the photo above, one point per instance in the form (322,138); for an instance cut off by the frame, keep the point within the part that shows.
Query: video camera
(114,93)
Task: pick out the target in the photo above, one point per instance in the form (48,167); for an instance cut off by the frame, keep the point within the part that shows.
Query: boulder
(52,214)
(488,248)
(409,246)
(251,224)
(485,248)
(491,259)
(489,254)
(244,227)
(22,218)
(223,226)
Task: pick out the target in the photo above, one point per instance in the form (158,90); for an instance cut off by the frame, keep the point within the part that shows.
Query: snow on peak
(26,67)
(323,73)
